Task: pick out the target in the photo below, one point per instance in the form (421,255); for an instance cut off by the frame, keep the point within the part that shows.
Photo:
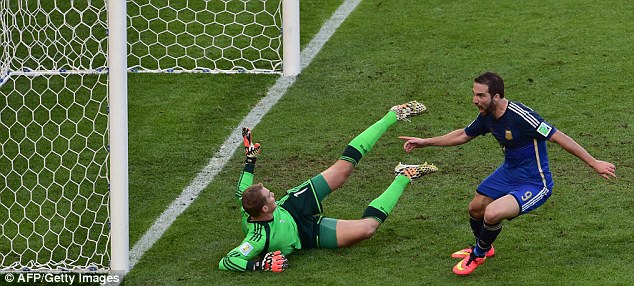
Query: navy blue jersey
(522,133)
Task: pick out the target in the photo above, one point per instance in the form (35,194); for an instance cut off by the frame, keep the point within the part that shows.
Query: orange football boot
(467,265)
(463,253)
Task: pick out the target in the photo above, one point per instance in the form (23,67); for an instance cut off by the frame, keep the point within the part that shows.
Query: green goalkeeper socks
(382,206)
(363,143)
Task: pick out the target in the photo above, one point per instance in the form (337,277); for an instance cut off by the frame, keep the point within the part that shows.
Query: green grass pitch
(569,60)
(566,59)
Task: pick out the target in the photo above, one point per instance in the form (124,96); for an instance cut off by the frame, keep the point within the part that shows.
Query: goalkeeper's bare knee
(359,231)
(369,228)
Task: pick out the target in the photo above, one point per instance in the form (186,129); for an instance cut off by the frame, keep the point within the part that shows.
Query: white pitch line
(222,156)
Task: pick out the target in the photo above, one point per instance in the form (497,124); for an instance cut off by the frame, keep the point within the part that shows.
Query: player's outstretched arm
(453,138)
(251,152)
(603,168)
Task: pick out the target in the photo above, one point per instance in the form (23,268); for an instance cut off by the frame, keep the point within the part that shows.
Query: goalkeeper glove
(251,150)
(273,261)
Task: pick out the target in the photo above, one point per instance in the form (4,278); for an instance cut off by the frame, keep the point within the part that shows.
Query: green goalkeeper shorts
(304,204)
(327,236)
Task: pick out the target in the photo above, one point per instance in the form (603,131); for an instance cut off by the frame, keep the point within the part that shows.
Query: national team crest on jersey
(246,248)
(508,135)
(544,129)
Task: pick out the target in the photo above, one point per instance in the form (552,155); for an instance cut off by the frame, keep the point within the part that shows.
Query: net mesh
(53,135)
(221,36)
(54,186)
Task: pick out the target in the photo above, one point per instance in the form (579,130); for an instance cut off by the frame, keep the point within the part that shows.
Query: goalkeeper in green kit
(275,229)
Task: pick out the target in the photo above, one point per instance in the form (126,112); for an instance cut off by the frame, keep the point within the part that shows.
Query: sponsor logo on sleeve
(246,248)
(544,129)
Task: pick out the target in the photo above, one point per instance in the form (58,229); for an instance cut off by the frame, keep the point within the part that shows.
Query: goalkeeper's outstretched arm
(246,179)
(251,151)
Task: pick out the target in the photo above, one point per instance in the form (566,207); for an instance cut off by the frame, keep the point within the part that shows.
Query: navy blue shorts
(529,195)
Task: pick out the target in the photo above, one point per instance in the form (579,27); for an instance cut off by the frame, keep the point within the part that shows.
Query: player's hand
(251,150)
(274,261)
(605,169)
(412,142)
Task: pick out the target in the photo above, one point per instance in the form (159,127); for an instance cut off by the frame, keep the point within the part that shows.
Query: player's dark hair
(253,200)
(493,81)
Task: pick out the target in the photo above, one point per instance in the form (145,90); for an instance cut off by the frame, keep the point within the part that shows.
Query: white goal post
(63,110)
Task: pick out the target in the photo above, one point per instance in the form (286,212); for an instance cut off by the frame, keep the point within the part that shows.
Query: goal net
(218,36)
(55,124)
(53,134)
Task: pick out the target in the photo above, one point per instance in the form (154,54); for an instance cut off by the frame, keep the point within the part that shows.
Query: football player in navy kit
(523,182)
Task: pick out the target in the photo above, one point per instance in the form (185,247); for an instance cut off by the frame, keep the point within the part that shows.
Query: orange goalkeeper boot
(463,253)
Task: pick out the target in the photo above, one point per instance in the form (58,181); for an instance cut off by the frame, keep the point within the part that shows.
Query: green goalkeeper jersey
(262,237)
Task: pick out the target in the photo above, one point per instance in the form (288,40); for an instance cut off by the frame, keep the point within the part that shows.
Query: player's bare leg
(478,204)
(351,232)
(338,173)
(505,207)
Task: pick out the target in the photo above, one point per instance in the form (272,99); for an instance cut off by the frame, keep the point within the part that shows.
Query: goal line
(224,154)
